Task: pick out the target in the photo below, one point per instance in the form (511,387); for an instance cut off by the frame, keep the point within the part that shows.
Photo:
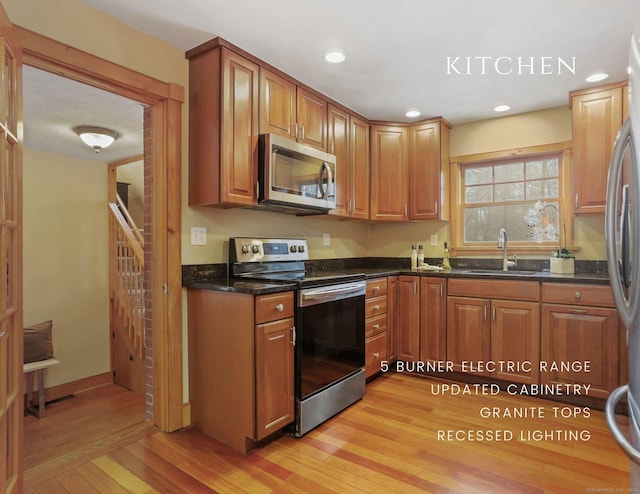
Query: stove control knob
(245,249)
(255,249)
(292,249)
(300,248)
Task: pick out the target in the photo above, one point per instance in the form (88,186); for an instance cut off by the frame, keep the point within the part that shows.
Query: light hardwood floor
(388,442)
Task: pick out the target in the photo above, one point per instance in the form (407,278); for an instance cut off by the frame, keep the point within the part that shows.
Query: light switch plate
(198,235)
(434,240)
(326,239)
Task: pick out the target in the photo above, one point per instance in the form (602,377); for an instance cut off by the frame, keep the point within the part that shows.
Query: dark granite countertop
(242,286)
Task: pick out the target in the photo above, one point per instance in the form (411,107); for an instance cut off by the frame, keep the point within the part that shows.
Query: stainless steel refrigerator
(622,231)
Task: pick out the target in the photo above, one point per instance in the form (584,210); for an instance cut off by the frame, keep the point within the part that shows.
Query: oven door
(330,336)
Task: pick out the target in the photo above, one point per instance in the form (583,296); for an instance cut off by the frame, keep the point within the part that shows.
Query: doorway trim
(162,158)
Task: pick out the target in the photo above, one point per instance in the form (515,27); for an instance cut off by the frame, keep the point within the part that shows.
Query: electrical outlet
(434,240)
(198,235)
(326,239)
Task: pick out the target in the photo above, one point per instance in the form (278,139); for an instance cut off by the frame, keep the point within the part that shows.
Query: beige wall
(65,260)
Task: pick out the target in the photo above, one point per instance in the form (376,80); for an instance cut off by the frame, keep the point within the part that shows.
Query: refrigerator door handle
(610,415)
(625,228)
(628,305)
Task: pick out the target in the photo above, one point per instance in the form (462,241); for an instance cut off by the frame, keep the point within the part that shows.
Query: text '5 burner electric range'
(329,325)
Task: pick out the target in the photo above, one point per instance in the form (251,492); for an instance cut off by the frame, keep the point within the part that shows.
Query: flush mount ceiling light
(335,57)
(97,138)
(412,113)
(501,108)
(597,77)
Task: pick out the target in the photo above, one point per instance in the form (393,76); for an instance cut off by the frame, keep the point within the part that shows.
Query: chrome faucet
(502,244)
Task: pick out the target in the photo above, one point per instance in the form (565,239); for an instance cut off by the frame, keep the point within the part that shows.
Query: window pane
(509,192)
(476,194)
(542,168)
(478,175)
(482,224)
(543,189)
(509,172)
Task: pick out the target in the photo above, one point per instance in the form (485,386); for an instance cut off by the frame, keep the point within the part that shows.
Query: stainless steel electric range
(329,322)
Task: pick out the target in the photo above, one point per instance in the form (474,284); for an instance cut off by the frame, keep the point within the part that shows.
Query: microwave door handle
(323,193)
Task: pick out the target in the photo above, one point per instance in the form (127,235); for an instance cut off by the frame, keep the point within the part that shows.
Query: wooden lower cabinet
(433,319)
(468,331)
(580,334)
(408,318)
(241,359)
(376,318)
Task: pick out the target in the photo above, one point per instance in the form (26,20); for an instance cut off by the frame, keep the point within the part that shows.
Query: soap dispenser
(445,259)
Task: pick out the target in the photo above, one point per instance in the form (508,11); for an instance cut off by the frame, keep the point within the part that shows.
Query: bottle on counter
(420,255)
(414,258)
(445,258)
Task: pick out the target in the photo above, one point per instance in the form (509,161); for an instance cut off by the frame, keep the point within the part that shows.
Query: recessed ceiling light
(501,108)
(599,76)
(412,113)
(335,57)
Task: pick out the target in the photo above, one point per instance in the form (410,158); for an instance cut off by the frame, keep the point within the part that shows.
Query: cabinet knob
(376,288)
(578,295)
(376,355)
(376,307)
(376,326)
(279,307)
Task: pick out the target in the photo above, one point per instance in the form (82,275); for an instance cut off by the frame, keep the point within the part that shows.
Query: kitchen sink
(498,272)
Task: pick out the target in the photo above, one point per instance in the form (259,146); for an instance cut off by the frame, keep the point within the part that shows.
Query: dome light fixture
(412,113)
(335,57)
(97,138)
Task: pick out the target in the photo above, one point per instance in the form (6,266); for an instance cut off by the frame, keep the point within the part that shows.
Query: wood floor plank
(127,479)
(99,479)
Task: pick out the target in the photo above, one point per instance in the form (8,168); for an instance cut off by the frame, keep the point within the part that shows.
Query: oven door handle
(323,293)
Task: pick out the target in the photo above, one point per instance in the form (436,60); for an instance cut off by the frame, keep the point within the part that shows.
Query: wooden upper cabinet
(223,123)
(348,140)
(291,110)
(429,170)
(277,104)
(597,117)
(389,173)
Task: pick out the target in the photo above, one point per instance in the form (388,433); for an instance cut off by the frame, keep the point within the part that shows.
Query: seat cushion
(38,342)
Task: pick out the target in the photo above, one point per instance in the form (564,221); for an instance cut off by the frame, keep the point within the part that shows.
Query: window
(520,191)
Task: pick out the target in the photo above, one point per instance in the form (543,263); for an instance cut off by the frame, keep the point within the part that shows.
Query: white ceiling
(396,52)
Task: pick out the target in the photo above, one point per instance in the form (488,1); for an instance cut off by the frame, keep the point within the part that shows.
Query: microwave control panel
(245,249)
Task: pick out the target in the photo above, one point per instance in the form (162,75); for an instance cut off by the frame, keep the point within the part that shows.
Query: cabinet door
(515,338)
(408,318)
(311,119)
(389,174)
(358,193)
(433,319)
(597,117)
(338,145)
(426,171)
(468,331)
(274,376)
(277,104)
(580,334)
(392,318)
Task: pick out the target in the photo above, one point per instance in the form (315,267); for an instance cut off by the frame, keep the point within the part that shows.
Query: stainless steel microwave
(294,177)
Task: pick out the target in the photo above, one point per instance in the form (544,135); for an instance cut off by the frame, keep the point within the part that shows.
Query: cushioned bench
(38,367)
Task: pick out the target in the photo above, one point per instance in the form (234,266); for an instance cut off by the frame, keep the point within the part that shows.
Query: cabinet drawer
(375,352)
(576,294)
(375,306)
(376,287)
(274,306)
(375,325)
(502,289)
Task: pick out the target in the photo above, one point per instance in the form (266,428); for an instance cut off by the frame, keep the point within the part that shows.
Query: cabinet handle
(4,333)
(293,335)
(576,199)
(257,189)
(302,132)
(578,295)
(295,130)
(577,311)
(415,288)
(441,290)
(273,338)
(279,307)
(494,313)
(485,312)
(435,207)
